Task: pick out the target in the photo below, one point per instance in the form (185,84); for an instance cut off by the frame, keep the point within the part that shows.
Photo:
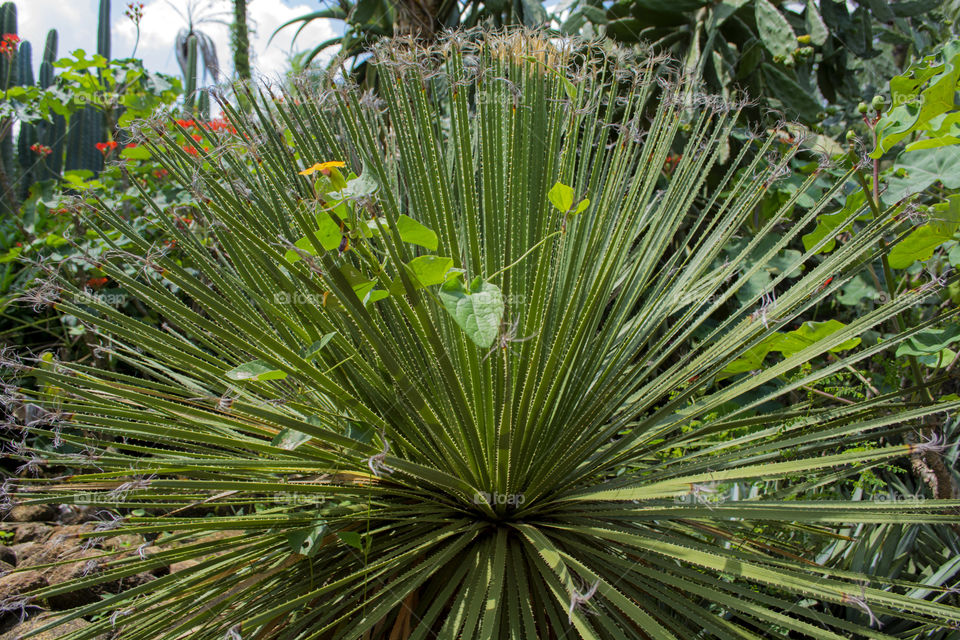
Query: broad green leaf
(135,153)
(919,245)
(856,290)
(328,235)
(954,255)
(415,233)
(922,168)
(926,90)
(827,223)
(938,360)
(477,309)
(289,439)
(810,332)
(924,240)
(929,341)
(429,270)
(561,196)
(351,539)
(364,185)
(367,294)
(751,360)
(307,541)
(256,370)
(310,351)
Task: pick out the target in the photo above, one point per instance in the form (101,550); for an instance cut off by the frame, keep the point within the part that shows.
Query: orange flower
(96,283)
(186,124)
(323,167)
(197,137)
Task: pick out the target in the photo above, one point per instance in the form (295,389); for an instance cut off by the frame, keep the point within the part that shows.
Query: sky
(76,24)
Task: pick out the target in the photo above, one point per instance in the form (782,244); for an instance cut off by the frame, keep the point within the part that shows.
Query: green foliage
(380,471)
(806,59)
(924,99)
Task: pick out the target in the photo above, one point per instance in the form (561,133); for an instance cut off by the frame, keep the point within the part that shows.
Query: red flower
(41,149)
(221,124)
(131,145)
(192,150)
(160,174)
(8,46)
(197,137)
(134,11)
(186,124)
(96,283)
(106,148)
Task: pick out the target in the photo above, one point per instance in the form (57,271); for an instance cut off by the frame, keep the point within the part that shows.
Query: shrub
(477,390)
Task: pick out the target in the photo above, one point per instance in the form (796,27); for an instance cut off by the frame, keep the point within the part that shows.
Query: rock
(7,555)
(23,551)
(71,533)
(128,542)
(32,513)
(183,564)
(84,563)
(41,620)
(31,531)
(75,513)
(14,584)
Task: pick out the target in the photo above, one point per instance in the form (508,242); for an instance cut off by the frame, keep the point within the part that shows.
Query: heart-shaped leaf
(477,309)
(308,352)
(256,370)
(289,439)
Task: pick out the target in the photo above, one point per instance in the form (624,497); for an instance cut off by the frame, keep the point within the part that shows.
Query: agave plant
(462,362)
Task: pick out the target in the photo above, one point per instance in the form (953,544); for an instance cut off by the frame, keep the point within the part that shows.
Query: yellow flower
(323,167)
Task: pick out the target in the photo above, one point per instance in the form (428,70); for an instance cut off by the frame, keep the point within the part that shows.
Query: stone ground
(37,536)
